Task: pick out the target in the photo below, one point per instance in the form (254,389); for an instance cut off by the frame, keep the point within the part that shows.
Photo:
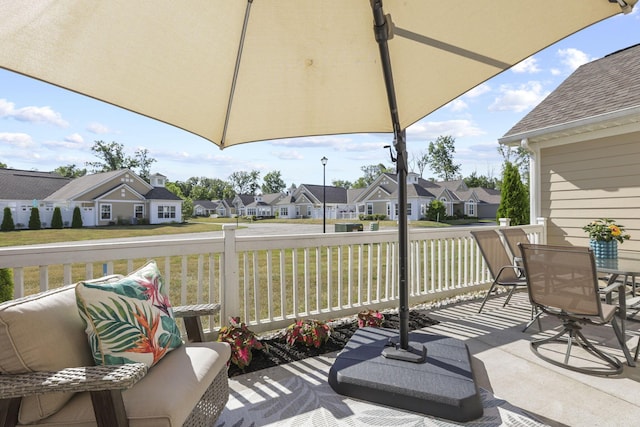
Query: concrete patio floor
(505,365)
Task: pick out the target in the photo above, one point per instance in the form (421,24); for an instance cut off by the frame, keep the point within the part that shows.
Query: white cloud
(481,89)
(519,98)
(573,58)
(288,155)
(74,137)
(31,114)
(98,128)
(20,140)
(529,65)
(457,105)
(456,128)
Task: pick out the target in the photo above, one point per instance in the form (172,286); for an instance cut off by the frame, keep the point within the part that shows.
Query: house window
(409,209)
(251,211)
(284,211)
(369,208)
(388,209)
(308,210)
(138,211)
(166,211)
(471,208)
(297,211)
(105,212)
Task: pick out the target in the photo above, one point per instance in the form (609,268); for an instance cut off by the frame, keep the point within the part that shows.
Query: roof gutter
(516,138)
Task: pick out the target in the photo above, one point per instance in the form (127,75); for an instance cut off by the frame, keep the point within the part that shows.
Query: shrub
(309,332)
(436,211)
(76,221)
(242,341)
(6,285)
(34,220)
(7,221)
(56,220)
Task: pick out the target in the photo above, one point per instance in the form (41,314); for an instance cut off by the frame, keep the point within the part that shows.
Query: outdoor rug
(298,394)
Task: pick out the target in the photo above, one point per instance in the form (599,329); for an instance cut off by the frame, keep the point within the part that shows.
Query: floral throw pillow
(129,320)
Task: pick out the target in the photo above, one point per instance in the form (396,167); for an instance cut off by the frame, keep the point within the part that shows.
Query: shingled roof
(603,86)
(16,184)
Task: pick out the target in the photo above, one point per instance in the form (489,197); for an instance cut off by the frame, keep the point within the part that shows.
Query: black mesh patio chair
(562,282)
(500,264)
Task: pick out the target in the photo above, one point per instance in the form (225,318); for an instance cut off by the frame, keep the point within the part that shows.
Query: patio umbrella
(237,71)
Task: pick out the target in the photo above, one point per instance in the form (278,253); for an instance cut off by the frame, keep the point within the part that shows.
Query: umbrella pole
(402,350)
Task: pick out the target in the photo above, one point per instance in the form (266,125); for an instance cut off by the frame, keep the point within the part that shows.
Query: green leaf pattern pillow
(129,320)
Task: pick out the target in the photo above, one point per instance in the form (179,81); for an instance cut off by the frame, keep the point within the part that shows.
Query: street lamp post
(324,194)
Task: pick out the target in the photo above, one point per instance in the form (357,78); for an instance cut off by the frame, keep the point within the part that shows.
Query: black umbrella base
(441,386)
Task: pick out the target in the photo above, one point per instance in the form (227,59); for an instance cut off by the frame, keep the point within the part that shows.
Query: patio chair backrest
(495,254)
(513,236)
(562,278)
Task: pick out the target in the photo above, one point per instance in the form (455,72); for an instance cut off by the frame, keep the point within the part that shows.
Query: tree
(514,197)
(519,156)
(70,171)
(273,183)
(3,165)
(56,219)
(144,163)
(245,182)
(341,183)
(34,219)
(440,158)
(6,285)
(371,172)
(473,181)
(419,162)
(7,220)
(436,211)
(76,221)
(187,208)
(113,159)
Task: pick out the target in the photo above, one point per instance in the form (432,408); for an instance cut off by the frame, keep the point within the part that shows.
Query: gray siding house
(584,140)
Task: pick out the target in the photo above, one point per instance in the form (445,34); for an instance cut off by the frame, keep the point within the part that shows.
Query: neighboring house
(103,198)
(308,200)
(585,143)
(264,205)
(240,203)
(381,197)
(204,207)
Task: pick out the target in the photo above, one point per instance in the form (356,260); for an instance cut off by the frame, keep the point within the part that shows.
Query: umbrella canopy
(236,71)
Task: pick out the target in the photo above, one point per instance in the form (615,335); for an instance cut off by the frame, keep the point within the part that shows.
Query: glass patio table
(628,267)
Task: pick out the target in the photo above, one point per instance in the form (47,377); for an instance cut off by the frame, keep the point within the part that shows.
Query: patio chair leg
(513,289)
(535,315)
(635,358)
(486,297)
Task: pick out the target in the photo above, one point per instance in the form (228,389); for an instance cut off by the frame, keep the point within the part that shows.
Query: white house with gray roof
(103,198)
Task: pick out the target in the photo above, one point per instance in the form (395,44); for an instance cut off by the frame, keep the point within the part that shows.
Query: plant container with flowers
(242,341)
(310,332)
(370,318)
(604,235)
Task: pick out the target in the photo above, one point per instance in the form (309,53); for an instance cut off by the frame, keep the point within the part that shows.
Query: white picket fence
(270,280)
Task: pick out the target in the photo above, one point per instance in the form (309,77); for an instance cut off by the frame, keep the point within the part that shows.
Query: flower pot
(603,249)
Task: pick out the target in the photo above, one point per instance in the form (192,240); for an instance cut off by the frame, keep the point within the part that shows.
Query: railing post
(229,286)
(505,222)
(543,237)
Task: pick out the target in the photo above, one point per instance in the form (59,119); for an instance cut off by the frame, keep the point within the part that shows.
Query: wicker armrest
(89,378)
(191,315)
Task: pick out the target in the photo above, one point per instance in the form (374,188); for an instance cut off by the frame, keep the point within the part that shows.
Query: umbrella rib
(236,70)
(474,56)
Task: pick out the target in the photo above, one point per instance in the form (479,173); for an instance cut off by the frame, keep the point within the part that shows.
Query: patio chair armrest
(191,315)
(516,267)
(88,378)
(612,287)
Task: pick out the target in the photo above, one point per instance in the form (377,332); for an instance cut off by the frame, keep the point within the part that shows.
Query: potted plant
(242,341)
(309,332)
(604,235)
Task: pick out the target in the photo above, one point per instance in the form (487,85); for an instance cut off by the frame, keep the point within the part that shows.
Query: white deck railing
(270,280)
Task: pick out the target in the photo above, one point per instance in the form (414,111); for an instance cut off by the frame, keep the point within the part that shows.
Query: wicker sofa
(48,376)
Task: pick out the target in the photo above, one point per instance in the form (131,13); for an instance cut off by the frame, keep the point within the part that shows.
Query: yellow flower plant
(606,230)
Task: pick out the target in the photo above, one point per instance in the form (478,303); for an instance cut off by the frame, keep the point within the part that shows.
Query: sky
(43,127)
